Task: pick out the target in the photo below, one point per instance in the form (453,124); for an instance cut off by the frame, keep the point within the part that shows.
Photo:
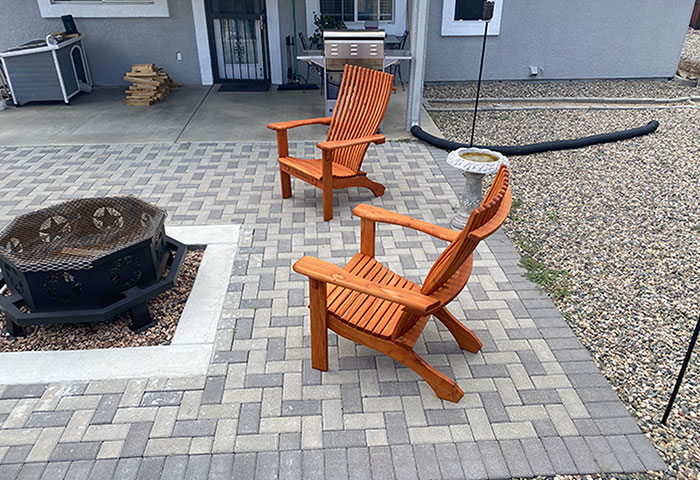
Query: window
(103,8)
(359,10)
(469,11)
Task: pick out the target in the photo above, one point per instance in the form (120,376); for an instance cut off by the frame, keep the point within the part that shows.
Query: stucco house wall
(114,44)
(565,40)
(562,39)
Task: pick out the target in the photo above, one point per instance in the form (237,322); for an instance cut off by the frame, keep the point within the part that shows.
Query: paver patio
(535,402)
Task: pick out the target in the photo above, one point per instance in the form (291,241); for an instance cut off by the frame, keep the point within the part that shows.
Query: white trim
(201,34)
(9,81)
(87,83)
(274,41)
(464,28)
(47,48)
(98,9)
(419,41)
(393,27)
(60,76)
(312,6)
(192,345)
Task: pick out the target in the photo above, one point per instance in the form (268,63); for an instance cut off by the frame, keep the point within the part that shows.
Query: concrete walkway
(534,404)
(192,114)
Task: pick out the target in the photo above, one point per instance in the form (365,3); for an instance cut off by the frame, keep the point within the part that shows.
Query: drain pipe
(517,150)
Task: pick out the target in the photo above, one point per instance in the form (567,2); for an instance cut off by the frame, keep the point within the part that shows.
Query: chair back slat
(445,273)
(454,256)
(362,102)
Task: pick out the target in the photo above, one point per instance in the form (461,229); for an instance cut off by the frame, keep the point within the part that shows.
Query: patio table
(391,58)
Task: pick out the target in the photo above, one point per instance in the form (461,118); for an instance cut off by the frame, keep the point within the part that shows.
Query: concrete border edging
(558,103)
(190,350)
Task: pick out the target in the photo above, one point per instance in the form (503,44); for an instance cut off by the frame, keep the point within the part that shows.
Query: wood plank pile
(150,84)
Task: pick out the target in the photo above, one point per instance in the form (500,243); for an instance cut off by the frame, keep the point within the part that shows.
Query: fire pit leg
(14,329)
(140,318)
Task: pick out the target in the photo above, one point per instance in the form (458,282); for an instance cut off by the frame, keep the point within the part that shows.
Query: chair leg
(377,188)
(286,181)
(306,84)
(319,330)
(465,337)
(443,386)
(319,70)
(327,200)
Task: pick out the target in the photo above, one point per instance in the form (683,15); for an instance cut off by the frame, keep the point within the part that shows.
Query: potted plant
(324,22)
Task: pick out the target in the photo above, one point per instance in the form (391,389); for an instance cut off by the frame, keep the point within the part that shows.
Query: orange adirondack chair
(369,304)
(362,101)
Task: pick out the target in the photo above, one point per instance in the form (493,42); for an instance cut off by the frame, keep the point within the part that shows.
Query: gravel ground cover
(614,232)
(166,309)
(577,88)
(690,56)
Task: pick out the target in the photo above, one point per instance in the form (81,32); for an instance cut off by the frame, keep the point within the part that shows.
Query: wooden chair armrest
(299,123)
(328,273)
(334,145)
(377,214)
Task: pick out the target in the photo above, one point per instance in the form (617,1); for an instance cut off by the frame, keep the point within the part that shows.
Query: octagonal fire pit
(86,260)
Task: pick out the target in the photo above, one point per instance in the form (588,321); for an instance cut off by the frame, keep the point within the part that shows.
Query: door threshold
(245,86)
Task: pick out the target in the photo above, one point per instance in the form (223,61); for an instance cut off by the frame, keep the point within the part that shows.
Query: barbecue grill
(86,260)
(354,47)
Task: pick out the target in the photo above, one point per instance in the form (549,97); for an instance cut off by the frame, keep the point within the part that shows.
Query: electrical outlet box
(178,55)
(534,70)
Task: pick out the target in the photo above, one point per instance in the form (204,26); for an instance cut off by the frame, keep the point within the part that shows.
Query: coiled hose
(517,150)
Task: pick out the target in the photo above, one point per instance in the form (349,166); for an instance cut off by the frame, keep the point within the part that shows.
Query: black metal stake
(478,83)
(693,339)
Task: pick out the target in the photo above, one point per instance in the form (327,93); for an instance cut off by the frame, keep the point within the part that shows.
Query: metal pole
(693,339)
(420,10)
(294,41)
(478,84)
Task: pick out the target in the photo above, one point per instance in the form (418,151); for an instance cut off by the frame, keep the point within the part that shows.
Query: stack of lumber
(150,85)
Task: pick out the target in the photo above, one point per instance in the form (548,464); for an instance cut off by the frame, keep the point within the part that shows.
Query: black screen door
(238,40)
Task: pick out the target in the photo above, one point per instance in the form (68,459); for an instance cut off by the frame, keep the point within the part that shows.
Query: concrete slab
(192,114)
(243,116)
(100,117)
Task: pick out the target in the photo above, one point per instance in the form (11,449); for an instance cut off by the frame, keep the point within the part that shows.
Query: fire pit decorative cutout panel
(95,257)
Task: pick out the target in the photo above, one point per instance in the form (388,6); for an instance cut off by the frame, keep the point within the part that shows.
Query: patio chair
(362,101)
(369,304)
(395,69)
(309,65)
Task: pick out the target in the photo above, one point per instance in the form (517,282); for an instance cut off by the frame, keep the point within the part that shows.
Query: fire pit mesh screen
(71,235)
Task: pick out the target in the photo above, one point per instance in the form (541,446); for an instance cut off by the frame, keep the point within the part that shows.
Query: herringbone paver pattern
(534,404)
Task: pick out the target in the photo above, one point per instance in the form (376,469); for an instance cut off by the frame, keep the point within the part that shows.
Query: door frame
(263,39)
(206,67)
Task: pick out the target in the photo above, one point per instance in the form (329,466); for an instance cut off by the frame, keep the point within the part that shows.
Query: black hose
(543,146)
